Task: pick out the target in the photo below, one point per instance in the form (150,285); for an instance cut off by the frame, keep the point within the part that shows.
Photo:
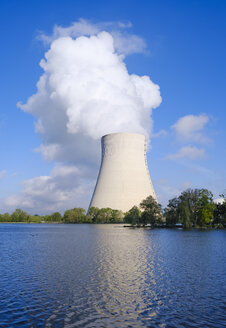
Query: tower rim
(124,133)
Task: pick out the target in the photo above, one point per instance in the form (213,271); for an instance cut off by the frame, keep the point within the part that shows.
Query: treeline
(74,215)
(193,208)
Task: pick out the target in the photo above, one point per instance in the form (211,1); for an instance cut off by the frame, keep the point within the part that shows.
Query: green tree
(194,207)
(133,216)
(185,214)
(188,203)
(19,216)
(205,208)
(6,217)
(75,215)
(171,212)
(200,206)
(117,216)
(35,218)
(55,217)
(92,214)
(104,215)
(151,212)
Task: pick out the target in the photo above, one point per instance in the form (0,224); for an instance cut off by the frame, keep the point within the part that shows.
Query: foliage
(171,212)
(19,216)
(151,213)
(35,219)
(185,213)
(117,216)
(92,214)
(105,215)
(133,216)
(75,215)
(6,217)
(220,213)
(54,217)
(194,207)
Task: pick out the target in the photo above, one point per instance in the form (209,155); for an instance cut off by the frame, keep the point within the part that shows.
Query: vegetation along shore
(194,208)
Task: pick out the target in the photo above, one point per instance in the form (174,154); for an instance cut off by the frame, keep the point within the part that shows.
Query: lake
(110,276)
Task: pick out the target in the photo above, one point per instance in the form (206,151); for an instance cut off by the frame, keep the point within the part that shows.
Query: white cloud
(86,92)
(124,42)
(159,134)
(190,152)
(128,44)
(189,128)
(66,187)
(2,173)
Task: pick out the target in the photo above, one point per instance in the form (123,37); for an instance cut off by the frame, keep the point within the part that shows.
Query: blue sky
(184,54)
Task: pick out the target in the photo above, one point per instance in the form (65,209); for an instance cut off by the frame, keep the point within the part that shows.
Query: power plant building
(123,179)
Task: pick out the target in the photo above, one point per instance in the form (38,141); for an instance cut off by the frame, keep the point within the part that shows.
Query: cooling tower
(124,179)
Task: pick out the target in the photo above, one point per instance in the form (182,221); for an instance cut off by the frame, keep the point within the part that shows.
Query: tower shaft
(124,179)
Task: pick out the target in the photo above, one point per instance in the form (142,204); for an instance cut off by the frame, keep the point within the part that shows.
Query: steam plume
(86,92)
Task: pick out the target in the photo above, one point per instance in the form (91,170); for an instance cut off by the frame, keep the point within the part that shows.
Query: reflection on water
(122,267)
(110,276)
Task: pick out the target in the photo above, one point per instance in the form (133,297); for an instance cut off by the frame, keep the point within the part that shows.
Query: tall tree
(151,211)
(133,216)
(194,207)
(171,212)
(219,215)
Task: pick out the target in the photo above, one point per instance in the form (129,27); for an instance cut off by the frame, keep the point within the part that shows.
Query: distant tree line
(193,208)
(74,215)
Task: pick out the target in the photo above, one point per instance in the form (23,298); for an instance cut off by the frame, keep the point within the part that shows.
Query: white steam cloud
(124,43)
(87,92)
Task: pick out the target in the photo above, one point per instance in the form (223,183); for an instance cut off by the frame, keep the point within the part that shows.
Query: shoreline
(123,225)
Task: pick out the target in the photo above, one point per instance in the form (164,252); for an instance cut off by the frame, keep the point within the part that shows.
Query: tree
(185,214)
(75,215)
(171,212)
(219,214)
(117,216)
(200,206)
(35,218)
(194,207)
(6,217)
(133,216)
(205,208)
(104,215)
(92,214)
(151,211)
(19,216)
(56,217)
(188,202)
(223,195)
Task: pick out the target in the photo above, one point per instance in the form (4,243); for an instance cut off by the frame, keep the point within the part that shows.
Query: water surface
(110,276)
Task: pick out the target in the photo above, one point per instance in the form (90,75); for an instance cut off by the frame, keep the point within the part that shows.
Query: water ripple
(109,276)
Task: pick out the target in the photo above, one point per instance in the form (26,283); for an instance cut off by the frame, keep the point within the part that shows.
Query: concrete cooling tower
(124,179)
